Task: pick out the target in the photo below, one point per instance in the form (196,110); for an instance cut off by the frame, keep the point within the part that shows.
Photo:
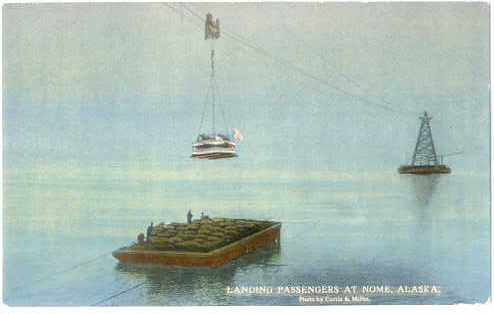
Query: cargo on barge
(202,243)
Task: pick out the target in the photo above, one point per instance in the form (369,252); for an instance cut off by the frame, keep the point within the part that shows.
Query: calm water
(357,229)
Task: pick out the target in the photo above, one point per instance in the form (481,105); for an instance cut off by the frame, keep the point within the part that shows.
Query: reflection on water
(424,187)
(388,231)
(203,285)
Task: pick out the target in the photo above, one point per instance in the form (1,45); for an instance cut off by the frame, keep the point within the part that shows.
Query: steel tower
(425,153)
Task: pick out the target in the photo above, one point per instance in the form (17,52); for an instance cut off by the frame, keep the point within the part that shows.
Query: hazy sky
(101,84)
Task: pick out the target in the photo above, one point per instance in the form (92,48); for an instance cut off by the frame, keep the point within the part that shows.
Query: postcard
(197,154)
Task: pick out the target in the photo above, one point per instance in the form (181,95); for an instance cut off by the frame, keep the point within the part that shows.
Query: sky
(334,87)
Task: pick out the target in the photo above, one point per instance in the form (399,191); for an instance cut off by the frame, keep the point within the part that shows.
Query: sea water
(363,229)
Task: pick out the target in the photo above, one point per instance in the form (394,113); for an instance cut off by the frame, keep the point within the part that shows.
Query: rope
(324,59)
(204,109)
(243,47)
(301,84)
(211,84)
(300,70)
(119,293)
(219,102)
(222,108)
(52,275)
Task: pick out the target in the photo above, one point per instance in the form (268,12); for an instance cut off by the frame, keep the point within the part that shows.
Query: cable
(303,83)
(324,82)
(212,87)
(119,293)
(348,78)
(300,70)
(221,105)
(71,268)
(243,47)
(50,276)
(204,110)
(323,57)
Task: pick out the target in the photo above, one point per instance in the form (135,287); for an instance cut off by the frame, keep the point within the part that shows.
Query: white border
(249,309)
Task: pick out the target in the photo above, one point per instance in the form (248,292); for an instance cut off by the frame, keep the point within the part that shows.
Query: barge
(202,243)
(432,169)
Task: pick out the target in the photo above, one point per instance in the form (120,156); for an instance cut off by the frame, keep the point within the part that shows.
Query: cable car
(214,145)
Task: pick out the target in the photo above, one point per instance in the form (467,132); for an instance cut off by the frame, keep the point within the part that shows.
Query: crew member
(148,233)
(189,217)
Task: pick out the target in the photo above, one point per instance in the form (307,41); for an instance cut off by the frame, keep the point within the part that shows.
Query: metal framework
(425,153)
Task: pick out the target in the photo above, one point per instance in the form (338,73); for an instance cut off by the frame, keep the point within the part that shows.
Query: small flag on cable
(237,136)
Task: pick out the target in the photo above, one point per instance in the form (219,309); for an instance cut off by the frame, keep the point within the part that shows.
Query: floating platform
(424,170)
(213,155)
(203,243)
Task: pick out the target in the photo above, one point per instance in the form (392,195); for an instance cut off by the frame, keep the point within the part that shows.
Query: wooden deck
(424,170)
(264,238)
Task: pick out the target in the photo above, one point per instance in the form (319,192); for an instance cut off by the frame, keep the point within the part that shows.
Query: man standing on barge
(148,232)
(189,217)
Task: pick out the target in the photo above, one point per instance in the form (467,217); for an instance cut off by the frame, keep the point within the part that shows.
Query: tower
(425,153)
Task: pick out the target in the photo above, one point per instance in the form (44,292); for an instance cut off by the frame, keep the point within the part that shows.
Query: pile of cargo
(201,235)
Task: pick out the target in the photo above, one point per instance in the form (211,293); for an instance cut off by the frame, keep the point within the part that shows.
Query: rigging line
(118,294)
(219,96)
(220,104)
(318,103)
(252,47)
(302,71)
(348,78)
(222,108)
(228,56)
(342,74)
(298,100)
(73,267)
(199,25)
(209,87)
(204,109)
(181,13)
(303,83)
(324,82)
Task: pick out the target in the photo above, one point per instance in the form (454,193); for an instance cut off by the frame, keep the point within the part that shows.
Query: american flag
(237,136)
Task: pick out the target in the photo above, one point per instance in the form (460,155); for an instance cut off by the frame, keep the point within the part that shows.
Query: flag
(237,136)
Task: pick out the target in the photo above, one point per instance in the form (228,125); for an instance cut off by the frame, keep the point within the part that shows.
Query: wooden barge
(268,236)
(424,170)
